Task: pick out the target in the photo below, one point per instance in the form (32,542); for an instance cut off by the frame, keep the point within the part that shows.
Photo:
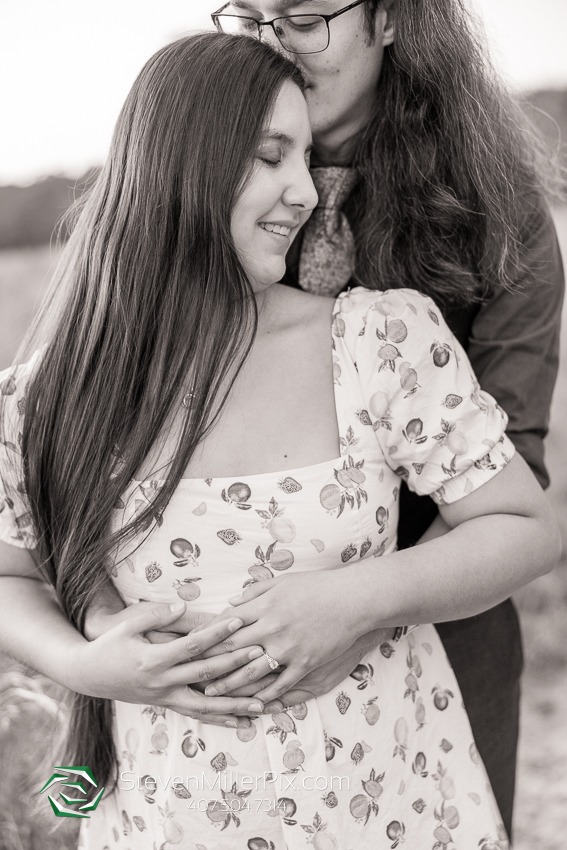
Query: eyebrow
(283,138)
(279,6)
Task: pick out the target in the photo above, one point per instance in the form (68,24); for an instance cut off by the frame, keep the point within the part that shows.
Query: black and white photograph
(283,389)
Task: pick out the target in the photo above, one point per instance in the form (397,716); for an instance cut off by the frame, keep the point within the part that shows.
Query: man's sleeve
(514,345)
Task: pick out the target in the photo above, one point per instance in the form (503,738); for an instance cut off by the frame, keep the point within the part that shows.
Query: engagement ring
(271,661)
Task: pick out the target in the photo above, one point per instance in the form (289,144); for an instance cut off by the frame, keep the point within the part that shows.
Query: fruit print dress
(387,758)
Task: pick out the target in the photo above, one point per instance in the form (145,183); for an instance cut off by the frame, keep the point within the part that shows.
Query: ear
(385,22)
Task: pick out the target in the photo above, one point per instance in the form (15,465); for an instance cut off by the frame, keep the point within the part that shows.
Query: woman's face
(279,195)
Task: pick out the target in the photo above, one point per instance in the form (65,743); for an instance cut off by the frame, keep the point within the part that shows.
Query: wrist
(377,597)
(75,666)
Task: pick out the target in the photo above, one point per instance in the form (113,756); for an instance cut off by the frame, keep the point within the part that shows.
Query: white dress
(385,758)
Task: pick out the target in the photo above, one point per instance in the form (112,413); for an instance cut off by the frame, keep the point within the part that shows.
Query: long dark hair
(453,179)
(152,306)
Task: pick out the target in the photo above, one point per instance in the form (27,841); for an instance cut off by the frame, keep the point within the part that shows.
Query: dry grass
(30,705)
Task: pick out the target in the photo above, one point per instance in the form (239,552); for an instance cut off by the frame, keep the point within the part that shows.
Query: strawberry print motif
(348,553)
(289,485)
(229,536)
(404,412)
(452,401)
(343,701)
(153,571)
(331,800)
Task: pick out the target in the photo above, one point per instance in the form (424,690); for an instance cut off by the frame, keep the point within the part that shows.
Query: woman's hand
(303,620)
(318,682)
(122,664)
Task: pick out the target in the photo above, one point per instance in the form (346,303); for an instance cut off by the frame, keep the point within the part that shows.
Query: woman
(190,427)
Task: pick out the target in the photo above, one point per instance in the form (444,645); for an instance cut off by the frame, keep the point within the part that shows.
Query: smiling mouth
(279,229)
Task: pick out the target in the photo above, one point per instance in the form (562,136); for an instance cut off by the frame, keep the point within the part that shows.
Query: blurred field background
(32,709)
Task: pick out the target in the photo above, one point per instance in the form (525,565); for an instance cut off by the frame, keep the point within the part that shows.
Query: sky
(66,67)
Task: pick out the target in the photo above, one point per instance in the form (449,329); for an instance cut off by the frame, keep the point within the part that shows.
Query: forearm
(33,629)
(459,574)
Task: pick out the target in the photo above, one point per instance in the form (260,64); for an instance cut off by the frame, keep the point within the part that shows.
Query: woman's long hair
(453,179)
(152,305)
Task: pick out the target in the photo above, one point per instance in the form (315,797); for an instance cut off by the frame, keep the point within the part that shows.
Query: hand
(122,664)
(107,610)
(319,681)
(303,620)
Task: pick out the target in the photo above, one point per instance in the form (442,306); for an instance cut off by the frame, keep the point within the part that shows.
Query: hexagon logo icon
(64,776)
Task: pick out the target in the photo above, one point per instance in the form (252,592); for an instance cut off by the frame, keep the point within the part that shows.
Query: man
(419,159)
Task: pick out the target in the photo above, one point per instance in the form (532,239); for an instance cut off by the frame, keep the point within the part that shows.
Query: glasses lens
(303,33)
(235,25)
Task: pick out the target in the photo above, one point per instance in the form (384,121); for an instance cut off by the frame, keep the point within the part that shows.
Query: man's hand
(121,664)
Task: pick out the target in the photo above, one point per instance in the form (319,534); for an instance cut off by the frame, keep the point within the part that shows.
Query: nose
(301,191)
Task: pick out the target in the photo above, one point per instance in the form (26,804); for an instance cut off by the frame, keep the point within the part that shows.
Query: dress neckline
(299,470)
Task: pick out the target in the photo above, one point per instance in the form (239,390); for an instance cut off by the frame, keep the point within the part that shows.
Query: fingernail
(235,624)
(273,707)
(243,723)
(211,691)
(255,653)
(234,599)
(177,607)
(255,706)
(231,723)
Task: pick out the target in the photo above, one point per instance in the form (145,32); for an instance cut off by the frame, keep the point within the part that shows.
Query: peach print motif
(408,407)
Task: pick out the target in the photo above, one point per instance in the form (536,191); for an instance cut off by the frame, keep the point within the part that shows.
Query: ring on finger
(271,661)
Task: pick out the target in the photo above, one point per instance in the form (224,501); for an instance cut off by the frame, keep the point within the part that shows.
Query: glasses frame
(259,24)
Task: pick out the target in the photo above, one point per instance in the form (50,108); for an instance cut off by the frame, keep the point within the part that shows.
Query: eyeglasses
(295,33)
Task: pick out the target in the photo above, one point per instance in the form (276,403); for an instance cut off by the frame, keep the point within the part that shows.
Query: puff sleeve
(437,429)
(15,518)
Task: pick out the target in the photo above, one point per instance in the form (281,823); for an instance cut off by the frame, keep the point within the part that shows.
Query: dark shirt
(512,340)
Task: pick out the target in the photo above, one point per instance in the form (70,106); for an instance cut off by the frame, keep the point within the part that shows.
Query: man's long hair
(151,305)
(453,180)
